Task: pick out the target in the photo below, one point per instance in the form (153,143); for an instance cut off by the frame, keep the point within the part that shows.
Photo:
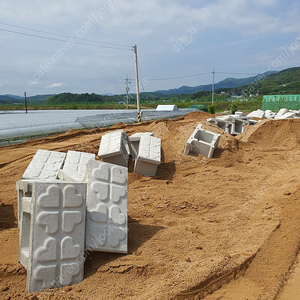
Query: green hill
(286,82)
(226,83)
(66,98)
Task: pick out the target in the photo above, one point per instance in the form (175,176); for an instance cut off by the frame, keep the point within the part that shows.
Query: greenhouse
(275,102)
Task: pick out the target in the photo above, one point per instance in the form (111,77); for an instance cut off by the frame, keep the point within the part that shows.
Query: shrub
(233,108)
(211,108)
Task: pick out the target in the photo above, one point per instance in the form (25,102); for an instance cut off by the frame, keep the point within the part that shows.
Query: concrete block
(213,121)
(281,112)
(149,155)
(106,225)
(52,234)
(269,114)
(225,125)
(202,142)
(238,114)
(75,166)
(256,114)
(222,123)
(288,115)
(239,126)
(134,142)
(114,148)
(167,107)
(44,165)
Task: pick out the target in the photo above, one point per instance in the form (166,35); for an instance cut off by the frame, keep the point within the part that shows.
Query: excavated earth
(221,228)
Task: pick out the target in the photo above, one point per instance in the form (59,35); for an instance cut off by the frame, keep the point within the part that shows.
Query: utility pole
(137,84)
(213,87)
(25,101)
(127,82)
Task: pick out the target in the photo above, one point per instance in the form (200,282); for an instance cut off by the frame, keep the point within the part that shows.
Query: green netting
(275,102)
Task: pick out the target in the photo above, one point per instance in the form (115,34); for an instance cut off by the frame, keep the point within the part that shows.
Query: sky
(50,47)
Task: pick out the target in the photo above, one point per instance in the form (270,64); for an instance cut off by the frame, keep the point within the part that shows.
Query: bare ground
(220,228)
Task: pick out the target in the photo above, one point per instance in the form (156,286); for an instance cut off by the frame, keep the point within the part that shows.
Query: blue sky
(174,39)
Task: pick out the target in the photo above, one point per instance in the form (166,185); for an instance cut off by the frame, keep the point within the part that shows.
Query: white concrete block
(106,225)
(167,107)
(44,165)
(213,121)
(269,114)
(52,234)
(256,114)
(238,114)
(281,112)
(202,142)
(228,118)
(114,148)
(134,142)
(288,115)
(75,166)
(149,155)
(239,126)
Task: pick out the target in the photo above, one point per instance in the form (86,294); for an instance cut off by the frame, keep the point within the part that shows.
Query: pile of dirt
(219,228)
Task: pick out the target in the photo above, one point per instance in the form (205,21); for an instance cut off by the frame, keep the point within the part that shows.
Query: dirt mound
(226,225)
(274,134)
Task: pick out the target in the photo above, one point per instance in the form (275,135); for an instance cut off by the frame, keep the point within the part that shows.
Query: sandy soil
(220,228)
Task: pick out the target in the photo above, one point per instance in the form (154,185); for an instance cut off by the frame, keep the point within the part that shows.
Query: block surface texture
(52,234)
(106,225)
(45,165)
(134,143)
(75,166)
(202,142)
(114,148)
(149,155)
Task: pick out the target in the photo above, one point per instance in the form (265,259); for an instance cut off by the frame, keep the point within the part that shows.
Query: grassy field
(220,106)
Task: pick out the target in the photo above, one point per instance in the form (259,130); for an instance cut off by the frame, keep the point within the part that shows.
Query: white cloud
(54,85)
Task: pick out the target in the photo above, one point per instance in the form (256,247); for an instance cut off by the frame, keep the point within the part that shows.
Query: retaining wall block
(75,166)
(134,143)
(114,148)
(106,226)
(45,165)
(149,155)
(202,142)
(52,234)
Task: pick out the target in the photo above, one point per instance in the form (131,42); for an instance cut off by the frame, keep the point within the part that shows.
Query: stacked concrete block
(280,113)
(239,126)
(226,124)
(202,142)
(106,225)
(269,114)
(256,114)
(114,148)
(45,165)
(287,115)
(134,142)
(149,155)
(75,166)
(52,234)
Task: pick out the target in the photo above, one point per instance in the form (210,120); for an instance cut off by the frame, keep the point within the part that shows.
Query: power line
(179,77)
(60,40)
(236,73)
(47,32)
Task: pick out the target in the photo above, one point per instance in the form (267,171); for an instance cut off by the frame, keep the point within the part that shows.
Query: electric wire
(60,40)
(47,32)
(179,77)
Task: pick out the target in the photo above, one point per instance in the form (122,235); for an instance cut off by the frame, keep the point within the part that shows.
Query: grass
(220,105)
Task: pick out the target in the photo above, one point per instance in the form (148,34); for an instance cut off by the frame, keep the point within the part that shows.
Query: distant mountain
(13,96)
(226,83)
(285,82)
(39,98)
